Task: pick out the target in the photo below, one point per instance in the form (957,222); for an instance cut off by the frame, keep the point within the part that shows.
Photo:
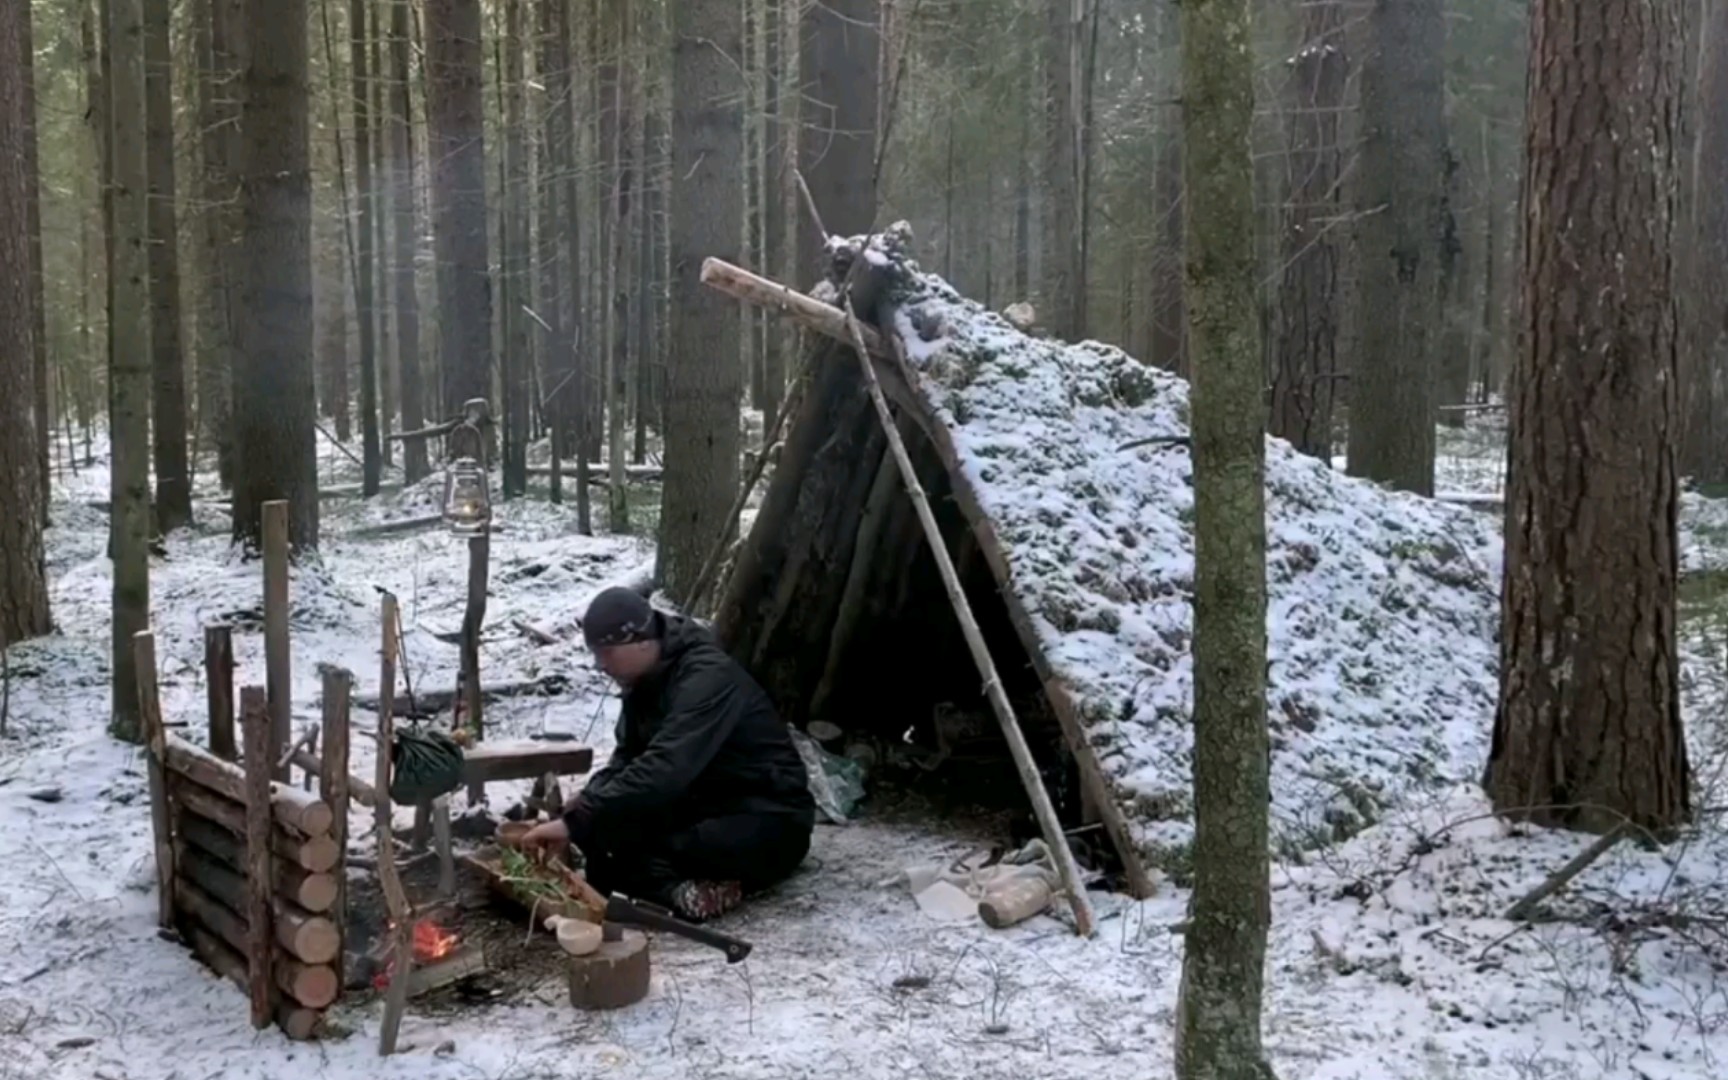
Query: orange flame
(433,942)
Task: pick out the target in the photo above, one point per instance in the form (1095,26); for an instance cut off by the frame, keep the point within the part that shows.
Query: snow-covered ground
(1389,958)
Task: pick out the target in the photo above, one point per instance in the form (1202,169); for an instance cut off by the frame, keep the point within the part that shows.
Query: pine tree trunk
(383,227)
(556,392)
(1060,310)
(1307,350)
(274,397)
(618,275)
(216,90)
(1452,359)
(404,182)
(371,454)
(1400,232)
(1218,1004)
(775,220)
(1588,731)
(516,363)
(455,120)
(703,397)
(23,582)
(839,62)
(129,352)
(33,221)
(168,365)
(1703,251)
(579,350)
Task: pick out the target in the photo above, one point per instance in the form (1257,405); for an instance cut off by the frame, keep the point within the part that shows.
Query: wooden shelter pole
(276,654)
(161,810)
(395,898)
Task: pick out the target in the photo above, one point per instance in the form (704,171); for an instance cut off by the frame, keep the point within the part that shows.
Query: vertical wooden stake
(311,748)
(479,559)
(441,834)
(255,731)
(219,692)
(395,899)
(276,664)
(333,787)
(156,740)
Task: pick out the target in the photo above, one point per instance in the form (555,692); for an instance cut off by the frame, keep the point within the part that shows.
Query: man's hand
(547,838)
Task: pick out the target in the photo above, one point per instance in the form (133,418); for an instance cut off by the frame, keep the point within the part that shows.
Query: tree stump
(612,976)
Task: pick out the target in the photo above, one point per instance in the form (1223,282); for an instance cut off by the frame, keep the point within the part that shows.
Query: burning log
(296,1022)
(316,854)
(466,962)
(311,984)
(291,807)
(313,939)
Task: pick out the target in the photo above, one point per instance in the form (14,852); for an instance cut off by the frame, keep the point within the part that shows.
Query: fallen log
(314,853)
(296,1022)
(202,841)
(298,810)
(311,939)
(431,702)
(632,472)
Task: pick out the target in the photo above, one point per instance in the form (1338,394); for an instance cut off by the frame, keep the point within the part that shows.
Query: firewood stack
(249,869)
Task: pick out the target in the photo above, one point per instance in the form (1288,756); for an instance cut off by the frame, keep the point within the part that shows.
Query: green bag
(424,765)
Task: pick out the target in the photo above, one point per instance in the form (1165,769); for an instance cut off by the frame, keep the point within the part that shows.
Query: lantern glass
(467,503)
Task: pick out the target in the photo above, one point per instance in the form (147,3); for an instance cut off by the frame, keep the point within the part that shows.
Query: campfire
(440,958)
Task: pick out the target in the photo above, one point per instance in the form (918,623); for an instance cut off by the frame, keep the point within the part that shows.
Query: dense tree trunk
(1218,1004)
(218,111)
(1399,235)
(703,395)
(839,59)
(1588,731)
(371,454)
(1060,277)
(1703,254)
(1452,353)
(1307,350)
(578,388)
(23,584)
(455,121)
(129,356)
(555,389)
(168,363)
(516,364)
(383,227)
(274,398)
(33,221)
(404,181)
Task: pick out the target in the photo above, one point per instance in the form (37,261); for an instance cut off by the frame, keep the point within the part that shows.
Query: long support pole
(1048,823)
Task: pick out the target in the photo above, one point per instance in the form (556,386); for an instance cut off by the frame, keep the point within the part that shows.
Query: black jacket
(697,738)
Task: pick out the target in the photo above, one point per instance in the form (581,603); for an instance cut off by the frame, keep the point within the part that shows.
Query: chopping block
(615,974)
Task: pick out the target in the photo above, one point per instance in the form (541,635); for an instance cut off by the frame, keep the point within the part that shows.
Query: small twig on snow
(1559,878)
(1157,440)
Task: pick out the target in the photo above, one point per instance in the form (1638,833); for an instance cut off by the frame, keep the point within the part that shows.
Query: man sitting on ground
(705,798)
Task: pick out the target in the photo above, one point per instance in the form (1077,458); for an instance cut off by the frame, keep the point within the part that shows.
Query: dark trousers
(644,862)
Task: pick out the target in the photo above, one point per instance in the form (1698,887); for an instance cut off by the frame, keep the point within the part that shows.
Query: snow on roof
(1382,605)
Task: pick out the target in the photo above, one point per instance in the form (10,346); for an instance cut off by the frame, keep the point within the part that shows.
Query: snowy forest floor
(1389,957)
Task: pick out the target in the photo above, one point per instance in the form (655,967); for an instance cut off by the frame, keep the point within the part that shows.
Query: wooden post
(219,688)
(155,737)
(255,730)
(395,899)
(276,663)
(333,784)
(1048,823)
(441,839)
(479,559)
